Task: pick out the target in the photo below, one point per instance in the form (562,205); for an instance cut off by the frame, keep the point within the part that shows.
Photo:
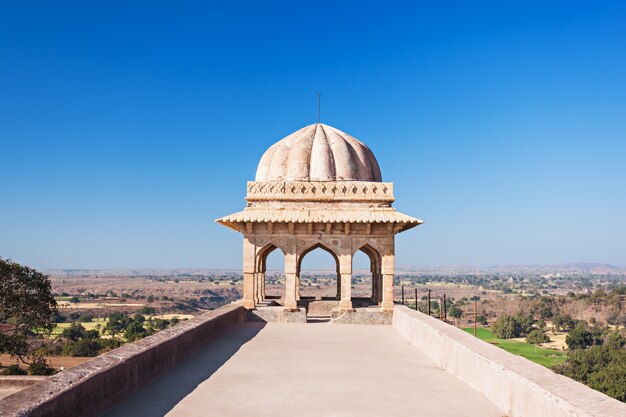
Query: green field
(542,356)
(91,325)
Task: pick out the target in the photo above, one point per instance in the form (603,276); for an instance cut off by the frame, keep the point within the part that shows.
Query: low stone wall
(518,386)
(20,381)
(94,386)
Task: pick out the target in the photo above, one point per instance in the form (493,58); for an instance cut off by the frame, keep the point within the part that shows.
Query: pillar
(345,278)
(291,274)
(298,287)
(387,302)
(346,292)
(249,252)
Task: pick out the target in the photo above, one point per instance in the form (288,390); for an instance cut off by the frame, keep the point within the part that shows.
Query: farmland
(537,354)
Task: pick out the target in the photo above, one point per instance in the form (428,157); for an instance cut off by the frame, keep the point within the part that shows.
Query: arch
(301,256)
(260,275)
(375,269)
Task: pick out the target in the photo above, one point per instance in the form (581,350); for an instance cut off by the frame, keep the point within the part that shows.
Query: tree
(537,336)
(26,303)
(481,320)
(117,323)
(147,310)
(506,327)
(40,366)
(455,312)
(74,332)
(579,338)
(135,331)
(564,322)
(602,367)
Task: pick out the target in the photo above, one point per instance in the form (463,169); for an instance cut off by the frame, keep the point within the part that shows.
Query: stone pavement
(284,369)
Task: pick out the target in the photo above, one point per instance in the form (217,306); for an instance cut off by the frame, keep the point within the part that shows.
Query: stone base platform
(276,314)
(371,315)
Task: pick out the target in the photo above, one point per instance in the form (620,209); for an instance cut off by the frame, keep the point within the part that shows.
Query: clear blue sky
(502,124)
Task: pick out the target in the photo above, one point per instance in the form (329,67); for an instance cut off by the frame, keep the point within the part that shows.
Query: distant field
(542,356)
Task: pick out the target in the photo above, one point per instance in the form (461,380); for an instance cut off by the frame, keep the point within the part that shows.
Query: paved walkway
(336,370)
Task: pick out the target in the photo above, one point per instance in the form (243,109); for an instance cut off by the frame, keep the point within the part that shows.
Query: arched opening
(361,276)
(271,274)
(318,274)
(366,270)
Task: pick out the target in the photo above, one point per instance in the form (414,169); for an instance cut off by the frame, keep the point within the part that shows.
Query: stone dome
(318,152)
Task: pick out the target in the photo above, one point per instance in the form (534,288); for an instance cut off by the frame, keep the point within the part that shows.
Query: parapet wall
(518,386)
(94,386)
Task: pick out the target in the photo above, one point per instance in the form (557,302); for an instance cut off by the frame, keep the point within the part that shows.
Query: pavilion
(319,188)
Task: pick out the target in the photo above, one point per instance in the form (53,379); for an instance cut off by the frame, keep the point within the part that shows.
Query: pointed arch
(375,269)
(325,248)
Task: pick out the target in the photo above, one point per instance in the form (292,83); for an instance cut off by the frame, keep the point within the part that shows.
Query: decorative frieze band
(320,191)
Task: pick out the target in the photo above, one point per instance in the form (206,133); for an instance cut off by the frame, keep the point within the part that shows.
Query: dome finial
(319,104)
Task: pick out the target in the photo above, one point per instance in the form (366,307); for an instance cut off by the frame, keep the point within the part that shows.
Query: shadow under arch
(323,247)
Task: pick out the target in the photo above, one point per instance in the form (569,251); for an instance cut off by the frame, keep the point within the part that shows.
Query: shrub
(147,311)
(537,336)
(13,370)
(40,366)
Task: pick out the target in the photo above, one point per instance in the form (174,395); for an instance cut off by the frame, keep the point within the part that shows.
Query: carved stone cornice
(354,191)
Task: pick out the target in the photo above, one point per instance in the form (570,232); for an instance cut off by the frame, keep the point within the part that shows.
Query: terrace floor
(320,369)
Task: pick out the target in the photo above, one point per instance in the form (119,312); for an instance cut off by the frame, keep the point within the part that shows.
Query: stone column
(291,274)
(298,287)
(346,292)
(249,250)
(387,302)
(345,269)
(262,279)
(387,271)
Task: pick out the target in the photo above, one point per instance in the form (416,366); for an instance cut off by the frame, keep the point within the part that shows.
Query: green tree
(537,336)
(506,327)
(74,332)
(135,331)
(40,366)
(579,338)
(455,312)
(117,323)
(564,322)
(26,303)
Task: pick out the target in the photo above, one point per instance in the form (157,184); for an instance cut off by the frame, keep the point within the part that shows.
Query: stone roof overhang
(292,215)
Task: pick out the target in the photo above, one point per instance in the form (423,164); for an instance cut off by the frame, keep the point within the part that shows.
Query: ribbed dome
(318,152)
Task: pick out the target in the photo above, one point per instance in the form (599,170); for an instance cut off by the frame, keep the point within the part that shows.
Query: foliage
(537,336)
(564,322)
(481,320)
(524,322)
(455,312)
(117,323)
(602,367)
(39,366)
(135,331)
(147,310)
(26,302)
(506,327)
(13,369)
(582,337)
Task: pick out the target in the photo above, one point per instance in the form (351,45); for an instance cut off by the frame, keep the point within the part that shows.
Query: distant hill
(570,268)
